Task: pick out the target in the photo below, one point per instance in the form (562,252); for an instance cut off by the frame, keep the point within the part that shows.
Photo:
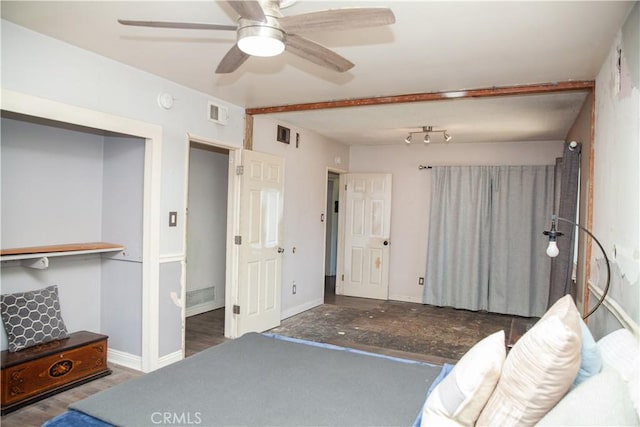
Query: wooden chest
(41,371)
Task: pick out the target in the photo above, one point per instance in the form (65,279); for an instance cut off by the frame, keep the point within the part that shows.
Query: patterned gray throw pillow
(31,318)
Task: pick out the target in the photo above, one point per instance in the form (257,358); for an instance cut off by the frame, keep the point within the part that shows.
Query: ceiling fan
(262,30)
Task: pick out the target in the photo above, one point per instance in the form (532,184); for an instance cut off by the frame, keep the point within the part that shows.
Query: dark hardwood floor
(394,328)
(203,331)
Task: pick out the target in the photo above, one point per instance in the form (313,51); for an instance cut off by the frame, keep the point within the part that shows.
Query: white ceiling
(432,47)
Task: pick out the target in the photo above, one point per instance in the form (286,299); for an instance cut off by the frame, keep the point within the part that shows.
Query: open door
(259,243)
(366,235)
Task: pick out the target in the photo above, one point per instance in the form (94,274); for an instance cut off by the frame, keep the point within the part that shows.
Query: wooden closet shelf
(58,250)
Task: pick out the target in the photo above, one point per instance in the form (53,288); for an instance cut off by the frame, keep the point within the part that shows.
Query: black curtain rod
(425,167)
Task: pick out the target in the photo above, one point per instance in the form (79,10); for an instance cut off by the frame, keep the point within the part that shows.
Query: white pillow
(620,350)
(539,369)
(462,394)
(601,400)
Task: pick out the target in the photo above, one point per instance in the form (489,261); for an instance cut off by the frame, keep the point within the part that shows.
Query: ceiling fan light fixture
(426,138)
(447,137)
(261,40)
(408,139)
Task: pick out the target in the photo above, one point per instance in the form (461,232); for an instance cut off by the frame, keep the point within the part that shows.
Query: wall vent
(217,113)
(283,134)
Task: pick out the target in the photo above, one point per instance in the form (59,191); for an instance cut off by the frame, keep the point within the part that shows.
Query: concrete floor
(434,334)
(422,332)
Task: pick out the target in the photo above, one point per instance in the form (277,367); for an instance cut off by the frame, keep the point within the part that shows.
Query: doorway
(206,246)
(331,235)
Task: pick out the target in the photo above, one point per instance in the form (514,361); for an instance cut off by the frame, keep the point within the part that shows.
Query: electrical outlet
(421,281)
(294,289)
(173,219)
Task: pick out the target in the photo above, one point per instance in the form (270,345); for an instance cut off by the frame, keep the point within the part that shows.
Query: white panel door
(260,250)
(367,224)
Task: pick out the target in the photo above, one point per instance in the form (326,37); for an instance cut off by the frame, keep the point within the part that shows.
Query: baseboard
(170,358)
(203,308)
(300,308)
(125,359)
(616,310)
(405,298)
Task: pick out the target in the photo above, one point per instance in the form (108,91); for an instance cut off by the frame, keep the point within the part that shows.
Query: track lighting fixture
(428,130)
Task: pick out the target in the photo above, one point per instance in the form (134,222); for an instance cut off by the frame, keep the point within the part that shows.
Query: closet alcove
(63,184)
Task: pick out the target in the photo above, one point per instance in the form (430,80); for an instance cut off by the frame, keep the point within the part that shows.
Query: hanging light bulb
(408,139)
(426,138)
(447,137)
(552,249)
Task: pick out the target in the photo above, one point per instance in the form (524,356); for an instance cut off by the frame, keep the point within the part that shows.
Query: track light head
(428,130)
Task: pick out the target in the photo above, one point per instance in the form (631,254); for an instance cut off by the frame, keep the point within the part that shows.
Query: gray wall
(66,184)
(90,81)
(122,211)
(206,229)
(331,252)
(171,321)
(51,184)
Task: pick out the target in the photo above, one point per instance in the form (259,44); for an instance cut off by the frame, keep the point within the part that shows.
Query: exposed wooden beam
(431,96)
(589,216)
(248,132)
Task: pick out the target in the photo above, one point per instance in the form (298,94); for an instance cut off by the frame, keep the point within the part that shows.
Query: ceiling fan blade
(248,9)
(180,25)
(232,60)
(337,19)
(318,54)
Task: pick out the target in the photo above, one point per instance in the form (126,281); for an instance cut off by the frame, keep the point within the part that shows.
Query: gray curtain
(519,268)
(567,188)
(457,261)
(486,249)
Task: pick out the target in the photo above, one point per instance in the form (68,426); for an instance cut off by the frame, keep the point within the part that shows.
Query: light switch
(173,219)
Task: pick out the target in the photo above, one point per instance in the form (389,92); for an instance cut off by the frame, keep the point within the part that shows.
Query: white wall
(304,201)
(616,198)
(206,230)
(411,193)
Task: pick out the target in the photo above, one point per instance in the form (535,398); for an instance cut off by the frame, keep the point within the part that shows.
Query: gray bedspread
(258,380)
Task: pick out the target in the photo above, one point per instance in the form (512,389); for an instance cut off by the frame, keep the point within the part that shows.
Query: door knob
(386,243)
(280,250)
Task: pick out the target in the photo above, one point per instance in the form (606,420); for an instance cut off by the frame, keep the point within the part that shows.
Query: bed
(555,374)
(263,379)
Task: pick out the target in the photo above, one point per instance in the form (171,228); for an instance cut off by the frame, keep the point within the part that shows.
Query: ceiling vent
(217,113)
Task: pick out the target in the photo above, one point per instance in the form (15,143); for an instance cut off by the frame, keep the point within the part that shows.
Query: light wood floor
(207,329)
